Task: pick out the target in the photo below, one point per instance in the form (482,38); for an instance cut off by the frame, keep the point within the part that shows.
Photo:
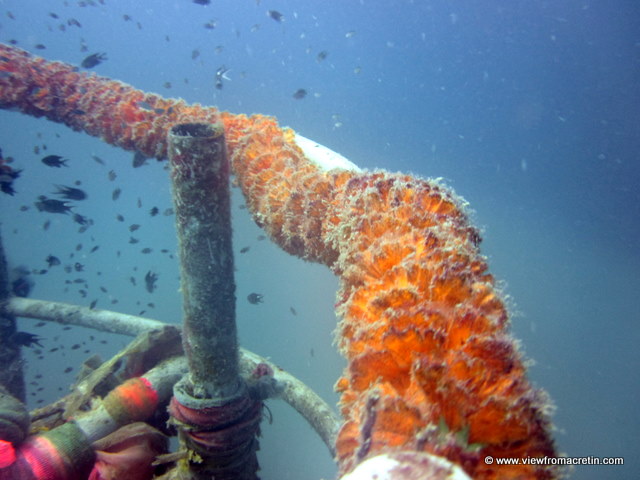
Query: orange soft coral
(430,365)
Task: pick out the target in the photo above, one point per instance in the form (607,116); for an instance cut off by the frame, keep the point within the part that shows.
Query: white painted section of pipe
(324,157)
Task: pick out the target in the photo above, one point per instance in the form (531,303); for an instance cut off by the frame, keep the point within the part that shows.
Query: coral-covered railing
(431,366)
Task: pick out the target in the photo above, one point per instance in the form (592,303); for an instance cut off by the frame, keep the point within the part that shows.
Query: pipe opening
(201,130)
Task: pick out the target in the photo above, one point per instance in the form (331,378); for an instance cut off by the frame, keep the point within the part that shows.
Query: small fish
(255,298)
(139,160)
(150,280)
(202,2)
(93,60)
(116,194)
(211,24)
(81,219)
(40,46)
(54,161)
(300,94)
(70,193)
(133,240)
(321,56)
(244,249)
(52,261)
(133,227)
(78,267)
(120,218)
(97,159)
(51,205)
(92,305)
(68,370)
(112,175)
(7,175)
(221,74)
(146,250)
(73,21)
(276,15)
(154,211)
(46,225)
(25,339)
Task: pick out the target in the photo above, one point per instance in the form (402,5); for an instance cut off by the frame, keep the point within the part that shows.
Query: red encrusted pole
(217,418)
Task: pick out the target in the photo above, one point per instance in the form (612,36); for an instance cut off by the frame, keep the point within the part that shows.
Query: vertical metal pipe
(200,178)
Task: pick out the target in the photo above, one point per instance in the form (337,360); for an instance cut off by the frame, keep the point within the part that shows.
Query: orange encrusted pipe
(431,366)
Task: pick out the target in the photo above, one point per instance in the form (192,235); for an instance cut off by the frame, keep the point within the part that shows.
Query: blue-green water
(529,110)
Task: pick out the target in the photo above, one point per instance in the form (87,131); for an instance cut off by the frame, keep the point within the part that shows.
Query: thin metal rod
(313,409)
